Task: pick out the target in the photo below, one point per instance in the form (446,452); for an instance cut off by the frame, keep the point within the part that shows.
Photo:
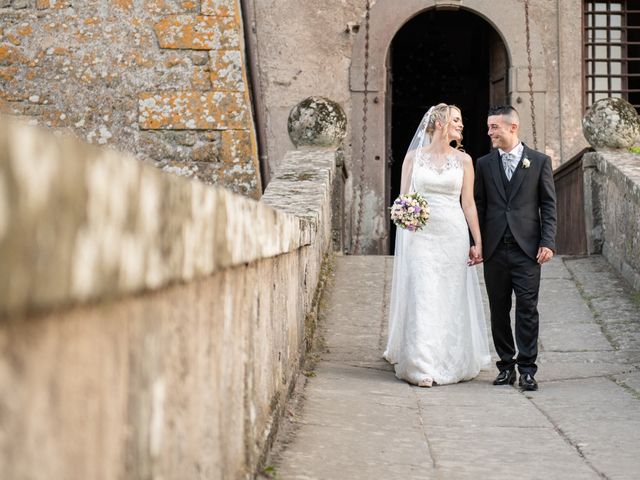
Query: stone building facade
(164,79)
(321,51)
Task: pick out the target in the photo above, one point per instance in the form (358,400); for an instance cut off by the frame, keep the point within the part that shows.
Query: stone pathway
(355,420)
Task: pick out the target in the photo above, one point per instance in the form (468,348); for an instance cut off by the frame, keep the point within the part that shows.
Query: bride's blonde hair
(442,113)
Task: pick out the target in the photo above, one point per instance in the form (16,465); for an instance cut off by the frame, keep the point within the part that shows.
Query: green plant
(270,472)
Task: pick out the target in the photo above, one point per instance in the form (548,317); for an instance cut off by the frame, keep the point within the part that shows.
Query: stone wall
(150,325)
(164,79)
(612,207)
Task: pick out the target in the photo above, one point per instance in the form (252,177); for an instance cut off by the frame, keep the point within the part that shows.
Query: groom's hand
(544,255)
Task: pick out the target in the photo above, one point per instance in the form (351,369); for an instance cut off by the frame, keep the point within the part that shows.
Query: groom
(516,203)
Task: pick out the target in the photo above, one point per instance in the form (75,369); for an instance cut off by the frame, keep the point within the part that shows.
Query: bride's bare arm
(469,204)
(407,171)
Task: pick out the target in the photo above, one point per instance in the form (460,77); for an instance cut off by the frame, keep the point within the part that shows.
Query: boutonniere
(526,163)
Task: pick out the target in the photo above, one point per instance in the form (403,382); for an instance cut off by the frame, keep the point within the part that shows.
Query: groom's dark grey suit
(516,217)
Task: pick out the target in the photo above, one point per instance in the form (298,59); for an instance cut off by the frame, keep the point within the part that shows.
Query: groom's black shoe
(506,377)
(528,383)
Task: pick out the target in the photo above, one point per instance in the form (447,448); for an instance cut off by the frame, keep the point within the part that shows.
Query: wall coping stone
(80,223)
(302,184)
(623,168)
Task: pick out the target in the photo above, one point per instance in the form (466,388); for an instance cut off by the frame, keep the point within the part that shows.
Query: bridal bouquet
(410,211)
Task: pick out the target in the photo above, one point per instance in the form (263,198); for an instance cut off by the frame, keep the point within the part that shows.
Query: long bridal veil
(400,271)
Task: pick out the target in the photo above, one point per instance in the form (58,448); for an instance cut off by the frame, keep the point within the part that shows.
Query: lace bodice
(438,177)
(439,163)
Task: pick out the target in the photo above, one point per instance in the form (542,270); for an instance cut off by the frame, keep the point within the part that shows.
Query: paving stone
(504,453)
(555,269)
(630,380)
(581,337)
(561,302)
(601,418)
(552,370)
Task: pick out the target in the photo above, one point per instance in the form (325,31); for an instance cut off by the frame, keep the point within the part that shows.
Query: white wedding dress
(437,331)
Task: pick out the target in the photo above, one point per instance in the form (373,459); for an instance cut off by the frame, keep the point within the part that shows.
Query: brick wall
(164,79)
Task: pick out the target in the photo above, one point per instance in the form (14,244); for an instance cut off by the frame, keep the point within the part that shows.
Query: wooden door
(498,70)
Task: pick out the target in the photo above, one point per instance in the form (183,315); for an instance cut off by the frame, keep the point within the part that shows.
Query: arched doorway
(454,57)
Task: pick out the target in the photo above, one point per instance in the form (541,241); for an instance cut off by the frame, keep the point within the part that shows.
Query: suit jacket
(526,204)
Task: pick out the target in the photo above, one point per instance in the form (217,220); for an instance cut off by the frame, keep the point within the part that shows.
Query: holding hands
(475,255)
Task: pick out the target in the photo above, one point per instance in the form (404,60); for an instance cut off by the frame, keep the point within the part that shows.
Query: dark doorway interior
(441,56)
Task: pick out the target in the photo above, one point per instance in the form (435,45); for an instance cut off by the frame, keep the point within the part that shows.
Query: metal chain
(533,106)
(365,107)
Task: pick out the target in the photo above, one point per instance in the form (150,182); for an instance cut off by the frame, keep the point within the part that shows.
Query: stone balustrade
(150,325)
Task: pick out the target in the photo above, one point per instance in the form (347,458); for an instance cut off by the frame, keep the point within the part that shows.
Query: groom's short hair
(507,111)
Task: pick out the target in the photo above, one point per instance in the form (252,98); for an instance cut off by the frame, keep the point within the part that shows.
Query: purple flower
(410,211)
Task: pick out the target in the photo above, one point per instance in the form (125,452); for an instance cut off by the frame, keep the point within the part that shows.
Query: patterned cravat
(509,164)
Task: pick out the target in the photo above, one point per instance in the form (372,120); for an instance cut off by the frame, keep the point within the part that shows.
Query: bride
(437,332)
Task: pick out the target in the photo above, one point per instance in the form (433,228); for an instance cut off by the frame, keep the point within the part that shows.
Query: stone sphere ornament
(611,123)
(317,121)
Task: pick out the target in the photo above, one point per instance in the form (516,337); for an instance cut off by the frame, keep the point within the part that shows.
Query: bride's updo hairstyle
(441,113)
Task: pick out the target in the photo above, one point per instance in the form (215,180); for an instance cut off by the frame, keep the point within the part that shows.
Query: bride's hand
(475,255)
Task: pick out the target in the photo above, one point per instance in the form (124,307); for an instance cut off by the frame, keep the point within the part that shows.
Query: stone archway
(387,18)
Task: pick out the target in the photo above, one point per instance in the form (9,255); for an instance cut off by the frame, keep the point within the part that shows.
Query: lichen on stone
(317,121)
(297,177)
(611,123)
